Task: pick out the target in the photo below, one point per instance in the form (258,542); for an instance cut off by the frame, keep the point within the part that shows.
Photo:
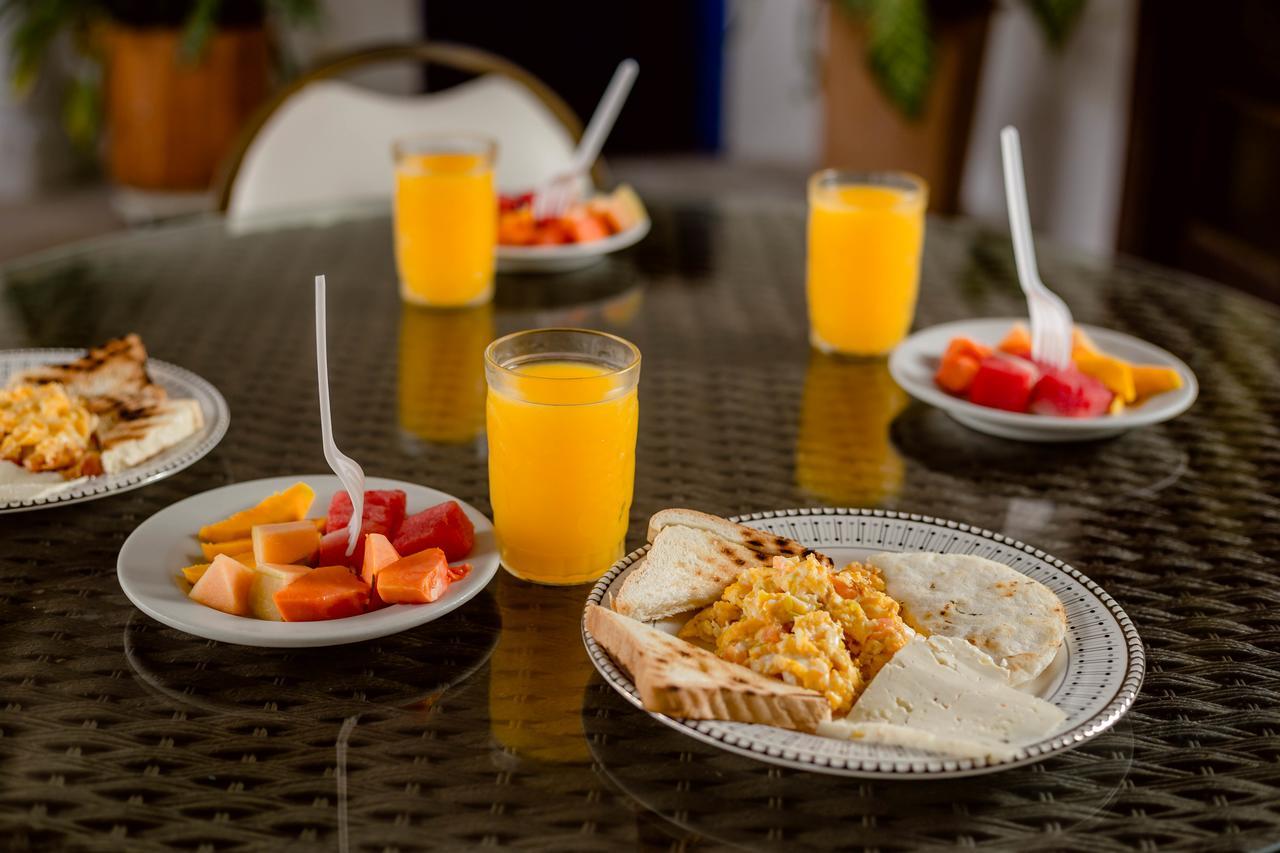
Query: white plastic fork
(1051,322)
(347,469)
(557,195)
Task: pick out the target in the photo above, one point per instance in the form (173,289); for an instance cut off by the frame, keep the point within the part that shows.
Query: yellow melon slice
(226,586)
(1115,373)
(230,547)
(287,542)
(290,505)
(193,573)
(268,580)
(1150,379)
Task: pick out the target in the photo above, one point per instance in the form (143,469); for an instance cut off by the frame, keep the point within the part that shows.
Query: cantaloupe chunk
(416,579)
(1115,373)
(230,547)
(1149,379)
(193,573)
(329,592)
(268,580)
(378,553)
(290,505)
(284,543)
(226,585)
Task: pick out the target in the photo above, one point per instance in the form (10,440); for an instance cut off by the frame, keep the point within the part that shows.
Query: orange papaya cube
(226,586)
(193,573)
(585,227)
(967,347)
(268,580)
(230,547)
(955,373)
(1150,379)
(289,505)
(416,579)
(287,542)
(1016,342)
(516,227)
(378,554)
(329,592)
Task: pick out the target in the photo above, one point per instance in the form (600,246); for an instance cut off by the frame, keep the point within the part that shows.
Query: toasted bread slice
(104,376)
(693,558)
(142,433)
(681,680)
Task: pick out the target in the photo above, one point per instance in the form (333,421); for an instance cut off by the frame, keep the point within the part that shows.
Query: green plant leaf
(900,51)
(1057,18)
(199,28)
(82,113)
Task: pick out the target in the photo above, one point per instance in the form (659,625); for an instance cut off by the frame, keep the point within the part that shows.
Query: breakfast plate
(568,256)
(1091,681)
(915,361)
(150,557)
(178,382)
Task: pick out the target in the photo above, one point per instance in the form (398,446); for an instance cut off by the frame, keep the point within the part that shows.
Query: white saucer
(915,360)
(569,256)
(154,554)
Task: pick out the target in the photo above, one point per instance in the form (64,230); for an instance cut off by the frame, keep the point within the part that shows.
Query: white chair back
(330,144)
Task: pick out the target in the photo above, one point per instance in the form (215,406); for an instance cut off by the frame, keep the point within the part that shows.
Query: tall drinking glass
(446,219)
(561,414)
(866,231)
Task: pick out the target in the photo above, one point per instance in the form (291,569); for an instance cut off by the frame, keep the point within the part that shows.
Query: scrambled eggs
(802,622)
(42,428)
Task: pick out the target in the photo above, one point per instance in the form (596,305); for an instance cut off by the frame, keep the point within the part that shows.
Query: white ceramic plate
(177,381)
(156,551)
(915,360)
(571,256)
(1094,678)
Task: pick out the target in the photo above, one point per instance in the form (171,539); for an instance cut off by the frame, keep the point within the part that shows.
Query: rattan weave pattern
(490,727)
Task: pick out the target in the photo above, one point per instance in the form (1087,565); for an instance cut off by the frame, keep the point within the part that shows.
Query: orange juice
(446,225)
(441,377)
(562,438)
(865,237)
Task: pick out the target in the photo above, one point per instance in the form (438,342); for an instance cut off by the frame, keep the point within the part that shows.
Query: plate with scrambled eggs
(78,425)
(862,642)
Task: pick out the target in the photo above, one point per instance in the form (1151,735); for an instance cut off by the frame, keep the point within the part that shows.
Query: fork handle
(1015,191)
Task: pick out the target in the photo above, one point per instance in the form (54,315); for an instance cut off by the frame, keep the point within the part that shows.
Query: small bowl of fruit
(981,373)
(590,229)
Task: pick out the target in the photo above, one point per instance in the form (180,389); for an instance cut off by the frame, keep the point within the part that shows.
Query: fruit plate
(569,256)
(178,381)
(156,551)
(915,360)
(1094,679)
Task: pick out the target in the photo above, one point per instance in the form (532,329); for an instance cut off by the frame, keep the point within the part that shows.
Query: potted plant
(901,78)
(171,81)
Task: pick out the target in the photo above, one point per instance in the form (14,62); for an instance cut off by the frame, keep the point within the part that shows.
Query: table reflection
(441,380)
(844,455)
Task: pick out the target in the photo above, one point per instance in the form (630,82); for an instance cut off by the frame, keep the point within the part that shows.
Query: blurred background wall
(744,98)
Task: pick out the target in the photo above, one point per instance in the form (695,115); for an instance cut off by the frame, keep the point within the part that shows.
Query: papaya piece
(329,592)
(417,579)
(1016,342)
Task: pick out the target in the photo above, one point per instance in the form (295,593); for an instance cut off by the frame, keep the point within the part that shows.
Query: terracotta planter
(863,130)
(170,122)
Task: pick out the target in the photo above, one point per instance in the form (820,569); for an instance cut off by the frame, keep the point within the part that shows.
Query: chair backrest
(322,142)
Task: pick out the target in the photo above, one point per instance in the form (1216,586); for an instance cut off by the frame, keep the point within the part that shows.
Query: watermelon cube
(383,511)
(1003,382)
(444,526)
(1069,393)
(333,551)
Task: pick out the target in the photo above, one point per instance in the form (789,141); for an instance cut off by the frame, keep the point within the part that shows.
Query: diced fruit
(460,571)
(288,542)
(245,559)
(1004,382)
(1112,372)
(383,511)
(1082,344)
(225,586)
(1017,342)
(290,505)
(444,526)
(333,551)
(1071,394)
(329,592)
(269,579)
(231,546)
(1149,379)
(585,228)
(319,523)
(193,573)
(416,579)
(378,554)
(959,364)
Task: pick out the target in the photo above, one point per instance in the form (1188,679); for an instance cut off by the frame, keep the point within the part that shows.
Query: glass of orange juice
(866,230)
(561,415)
(446,219)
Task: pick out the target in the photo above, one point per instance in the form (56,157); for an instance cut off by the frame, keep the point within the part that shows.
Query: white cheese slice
(890,734)
(942,686)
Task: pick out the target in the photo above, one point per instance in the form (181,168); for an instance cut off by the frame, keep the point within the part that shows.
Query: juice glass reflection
(446,219)
(441,381)
(866,231)
(844,454)
(562,413)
